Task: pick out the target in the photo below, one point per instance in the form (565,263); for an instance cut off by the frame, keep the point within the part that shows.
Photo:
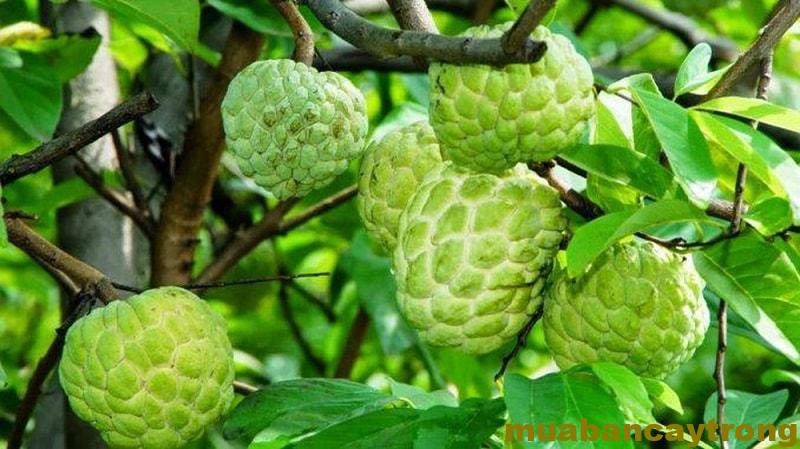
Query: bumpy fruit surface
(149,372)
(391,171)
(293,129)
(473,255)
(489,118)
(638,305)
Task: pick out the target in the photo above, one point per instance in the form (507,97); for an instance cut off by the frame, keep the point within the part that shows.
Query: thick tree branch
(785,15)
(386,42)
(71,142)
(303,37)
(182,211)
(521,30)
(680,26)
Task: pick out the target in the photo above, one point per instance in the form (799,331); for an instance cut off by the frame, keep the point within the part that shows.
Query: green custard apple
(489,119)
(639,305)
(293,129)
(391,171)
(473,255)
(150,372)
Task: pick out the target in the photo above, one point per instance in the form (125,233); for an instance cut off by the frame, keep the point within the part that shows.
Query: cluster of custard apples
(472,232)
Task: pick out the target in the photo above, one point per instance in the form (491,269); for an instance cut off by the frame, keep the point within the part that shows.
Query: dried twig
(386,42)
(127,166)
(71,142)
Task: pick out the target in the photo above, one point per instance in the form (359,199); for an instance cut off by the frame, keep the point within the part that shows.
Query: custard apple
(473,253)
(293,129)
(391,171)
(149,372)
(638,305)
(490,119)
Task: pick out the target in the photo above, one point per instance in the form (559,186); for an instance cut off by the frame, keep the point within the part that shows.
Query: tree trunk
(91,230)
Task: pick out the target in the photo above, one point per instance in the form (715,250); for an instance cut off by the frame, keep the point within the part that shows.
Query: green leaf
(623,166)
(260,16)
(68,55)
(629,390)
(736,270)
(295,407)
(695,66)
(465,427)
(561,398)
(747,408)
(767,161)
(376,291)
(693,75)
(10,58)
(663,394)
(393,428)
(421,399)
(683,144)
(608,130)
(31,96)
(770,215)
(755,109)
(3,378)
(774,376)
(178,19)
(591,239)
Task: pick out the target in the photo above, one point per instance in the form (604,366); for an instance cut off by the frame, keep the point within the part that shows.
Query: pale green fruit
(490,119)
(638,305)
(293,129)
(473,255)
(150,372)
(391,171)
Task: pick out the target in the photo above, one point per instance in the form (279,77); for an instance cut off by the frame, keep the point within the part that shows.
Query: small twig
(628,48)
(244,389)
(784,16)
(303,36)
(322,305)
(71,142)
(297,331)
(386,42)
(483,10)
(522,340)
(352,347)
(719,369)
(414,15)
(116,199)
(521,30)
(587,17)
(574,200)
(46,364)
(249,281)
(127,166)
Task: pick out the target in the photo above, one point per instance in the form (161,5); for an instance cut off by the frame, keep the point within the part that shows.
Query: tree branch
(82,274)
(173,248)
(522,340)
(352,347)
(297,331)
(127,167)
(387,42)
(116,199)
(680,26)
(521,30)
(71,142)
(785,15)
(413,15)
(303,36)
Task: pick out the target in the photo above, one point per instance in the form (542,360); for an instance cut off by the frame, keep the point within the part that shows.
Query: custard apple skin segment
(150,372)
(291,128)
(473,255)
(489,119)
(638,305)
(391,171)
